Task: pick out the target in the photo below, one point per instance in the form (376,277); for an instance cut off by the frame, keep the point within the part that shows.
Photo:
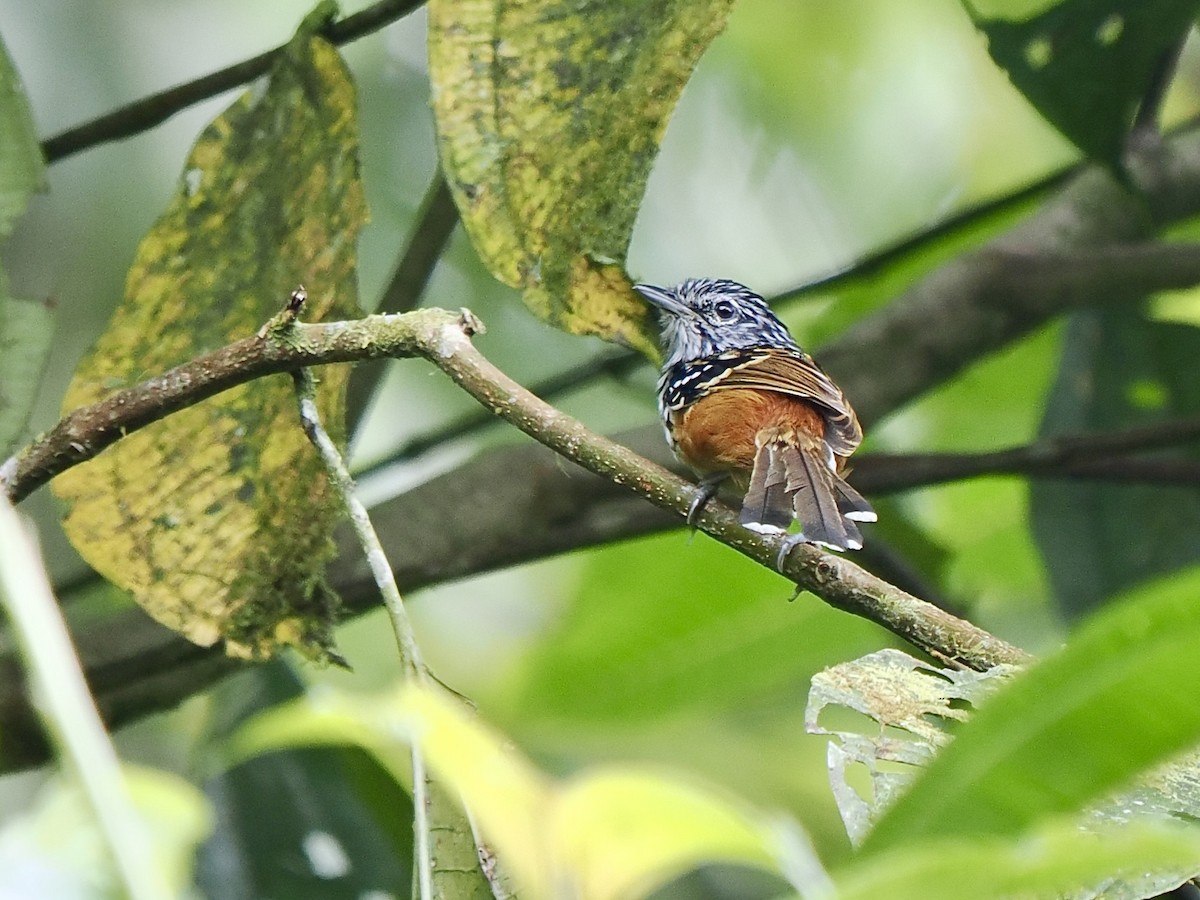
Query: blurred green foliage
(810,135)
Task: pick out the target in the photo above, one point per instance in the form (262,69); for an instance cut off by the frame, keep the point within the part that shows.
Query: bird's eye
(724,310)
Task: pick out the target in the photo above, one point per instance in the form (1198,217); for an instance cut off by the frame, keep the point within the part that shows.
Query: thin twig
(410,653)
(876,262)
(435,223)
(143,114)
(83,433)
(67,709)
(421,824)
(381,570)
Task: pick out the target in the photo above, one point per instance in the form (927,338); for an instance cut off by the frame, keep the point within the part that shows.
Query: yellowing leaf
(549,116)
(217,519)
(606,833)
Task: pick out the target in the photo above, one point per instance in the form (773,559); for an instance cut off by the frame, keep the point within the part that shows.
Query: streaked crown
(705,316)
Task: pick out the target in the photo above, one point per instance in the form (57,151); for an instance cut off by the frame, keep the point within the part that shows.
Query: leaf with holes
(913,710)
(218,518)
(1086,64)
(910,702)
(549,116)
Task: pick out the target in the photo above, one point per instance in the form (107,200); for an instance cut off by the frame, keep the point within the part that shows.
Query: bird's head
(705,316)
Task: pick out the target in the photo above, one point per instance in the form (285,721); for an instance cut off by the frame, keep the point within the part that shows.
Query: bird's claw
(785,548)
(705,491)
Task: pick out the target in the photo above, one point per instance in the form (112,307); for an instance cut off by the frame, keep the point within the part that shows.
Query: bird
(741,400)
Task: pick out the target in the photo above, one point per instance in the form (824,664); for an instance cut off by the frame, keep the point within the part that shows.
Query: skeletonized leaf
(908,703)
(217,519)
(549,116)
(25,327)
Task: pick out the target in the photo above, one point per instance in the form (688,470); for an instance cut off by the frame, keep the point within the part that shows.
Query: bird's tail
(794,479)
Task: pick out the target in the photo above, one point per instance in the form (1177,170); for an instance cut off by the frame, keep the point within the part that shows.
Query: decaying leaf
(549,115)
(218,518)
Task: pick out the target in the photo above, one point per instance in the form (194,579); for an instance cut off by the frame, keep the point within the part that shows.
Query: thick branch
(525,502)
(1040,269)
(444,339)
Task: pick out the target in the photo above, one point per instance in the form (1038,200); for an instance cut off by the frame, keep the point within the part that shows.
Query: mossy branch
(444,339)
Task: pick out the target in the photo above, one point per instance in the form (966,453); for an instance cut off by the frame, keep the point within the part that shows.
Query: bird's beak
(663,298)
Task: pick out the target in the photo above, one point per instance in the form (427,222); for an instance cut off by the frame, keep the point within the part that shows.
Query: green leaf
(25,327)
(26,330)
(549,115)
(1101,538)
(1045,744)
(1086,64)
(22,169)
(329,719)
(911,711)
(1056,862)
(336,825)
(218,518)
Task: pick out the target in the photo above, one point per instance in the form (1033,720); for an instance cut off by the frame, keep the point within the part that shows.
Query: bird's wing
(797,375)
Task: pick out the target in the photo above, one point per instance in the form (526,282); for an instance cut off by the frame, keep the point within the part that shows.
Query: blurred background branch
(146,112)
